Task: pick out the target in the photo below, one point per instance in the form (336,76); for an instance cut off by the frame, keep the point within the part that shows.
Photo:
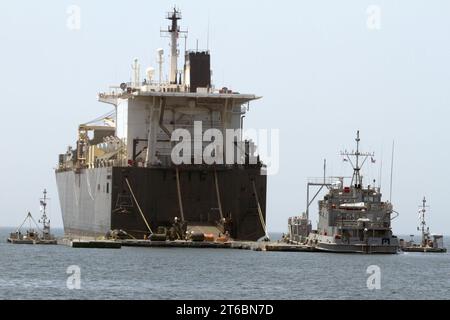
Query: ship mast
(44,219)
(425,230)
(356,178)
(174,33)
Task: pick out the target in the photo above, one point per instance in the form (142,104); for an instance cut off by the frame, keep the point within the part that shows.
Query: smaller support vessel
(430,242)
(34,235)
(353,218)
(29,237)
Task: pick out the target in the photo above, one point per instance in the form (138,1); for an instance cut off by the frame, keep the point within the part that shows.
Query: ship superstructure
(352,218)
(122,174)
(299,229)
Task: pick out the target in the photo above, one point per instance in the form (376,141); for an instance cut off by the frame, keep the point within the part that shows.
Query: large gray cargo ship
(122,174)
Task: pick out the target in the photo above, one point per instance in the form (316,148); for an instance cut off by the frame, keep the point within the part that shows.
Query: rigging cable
(263,224)
(180,201)
(102,117)
(219,202)
(142,214)
(29,218)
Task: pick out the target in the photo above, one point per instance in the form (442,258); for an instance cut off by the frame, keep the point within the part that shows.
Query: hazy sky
(322,71)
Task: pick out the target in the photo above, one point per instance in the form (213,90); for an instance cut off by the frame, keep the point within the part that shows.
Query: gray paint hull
(85,202)
(357,248)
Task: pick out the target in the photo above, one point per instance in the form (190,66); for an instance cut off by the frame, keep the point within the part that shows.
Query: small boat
(433,243)
(30,236)
(34,235)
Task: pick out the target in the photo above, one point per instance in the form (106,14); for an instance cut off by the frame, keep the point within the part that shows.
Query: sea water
(47,272)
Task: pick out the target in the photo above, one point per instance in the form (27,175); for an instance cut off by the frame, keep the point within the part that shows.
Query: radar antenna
(358,164)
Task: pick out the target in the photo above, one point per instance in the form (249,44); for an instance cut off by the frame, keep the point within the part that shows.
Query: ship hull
(85,202)
(370,246)
(361,249)
(95,201)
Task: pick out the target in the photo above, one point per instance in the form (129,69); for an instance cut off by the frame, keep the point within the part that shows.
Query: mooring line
(142,214)
(180,201)
(219,202)
(263,224)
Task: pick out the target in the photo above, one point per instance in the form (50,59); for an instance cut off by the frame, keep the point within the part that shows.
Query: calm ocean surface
(39,272)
